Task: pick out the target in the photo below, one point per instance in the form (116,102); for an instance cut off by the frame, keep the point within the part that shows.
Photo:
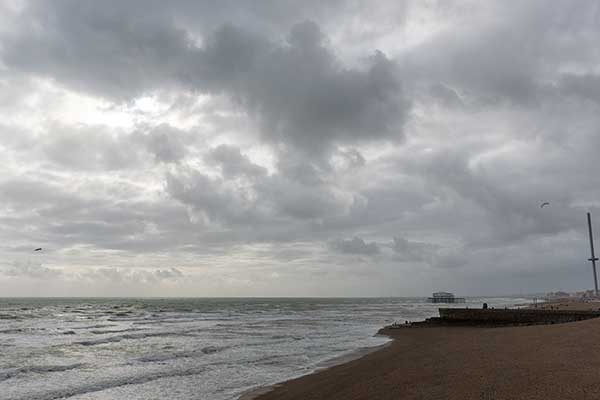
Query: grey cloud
(446,95)
(164,142)
(49,214)
(303,201)
(106,50)
(31,270)
(233,163)
(89,148)
(355,245)
(452,135)
(28,193)
(258,198)
(509,207)
(217,200)
(298,92)
(100,148)
(586,86)
(262,202)
(170,273)
(121,276)
(414,251)
(352,158)
(434,255)
(450,258)
(94,231)
(304,98)
(301,171)
(516,55)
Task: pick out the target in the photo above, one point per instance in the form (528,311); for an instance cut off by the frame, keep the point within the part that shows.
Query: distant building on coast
(445,297)
(559,295)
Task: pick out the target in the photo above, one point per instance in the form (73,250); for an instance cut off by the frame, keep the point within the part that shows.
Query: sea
(187,348)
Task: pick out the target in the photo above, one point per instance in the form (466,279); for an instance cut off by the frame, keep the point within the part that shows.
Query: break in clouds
(226,148)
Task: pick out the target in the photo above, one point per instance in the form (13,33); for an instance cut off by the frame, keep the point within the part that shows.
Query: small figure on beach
(485,306)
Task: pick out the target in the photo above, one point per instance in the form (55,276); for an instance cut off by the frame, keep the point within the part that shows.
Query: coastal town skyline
(197,148)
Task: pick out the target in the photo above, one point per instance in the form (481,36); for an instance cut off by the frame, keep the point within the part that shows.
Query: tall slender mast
(593,259)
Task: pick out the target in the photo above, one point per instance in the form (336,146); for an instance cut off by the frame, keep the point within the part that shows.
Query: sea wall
(474,316)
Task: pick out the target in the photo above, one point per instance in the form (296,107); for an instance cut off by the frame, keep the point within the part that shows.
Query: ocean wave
(13,330)
(36,369)
(97,326)
(213,349)
(113,383)
(182,354)
(98,332)
(22,330)
(171,320)
(128,318)
(131,336)
(292,337)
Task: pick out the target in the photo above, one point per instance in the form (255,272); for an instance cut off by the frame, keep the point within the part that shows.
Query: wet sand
(528,362)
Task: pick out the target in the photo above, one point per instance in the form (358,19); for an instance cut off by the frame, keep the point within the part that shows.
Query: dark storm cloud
(298,92)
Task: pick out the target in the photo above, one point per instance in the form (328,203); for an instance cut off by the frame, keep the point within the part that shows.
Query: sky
(297,148)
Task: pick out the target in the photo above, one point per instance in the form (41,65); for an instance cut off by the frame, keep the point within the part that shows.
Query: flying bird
(38,249)
(544,204)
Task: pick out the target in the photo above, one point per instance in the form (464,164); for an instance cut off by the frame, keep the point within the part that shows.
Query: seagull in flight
(544,204)
(38,249)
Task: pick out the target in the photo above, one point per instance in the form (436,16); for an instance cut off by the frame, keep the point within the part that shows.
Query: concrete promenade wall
(512,316)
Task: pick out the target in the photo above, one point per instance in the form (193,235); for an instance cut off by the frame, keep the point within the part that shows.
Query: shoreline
(255,393)
(559,361)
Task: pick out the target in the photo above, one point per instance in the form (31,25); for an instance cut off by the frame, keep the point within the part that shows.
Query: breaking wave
(131,336)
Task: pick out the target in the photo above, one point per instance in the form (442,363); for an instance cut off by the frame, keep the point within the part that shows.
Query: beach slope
(530,362)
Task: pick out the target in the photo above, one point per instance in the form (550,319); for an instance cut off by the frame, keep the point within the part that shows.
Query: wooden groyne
(474,316)
(490,317)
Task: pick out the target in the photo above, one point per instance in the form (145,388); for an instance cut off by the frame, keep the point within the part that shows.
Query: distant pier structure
(445,297)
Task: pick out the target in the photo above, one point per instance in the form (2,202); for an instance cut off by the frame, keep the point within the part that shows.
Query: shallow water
(183,348)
